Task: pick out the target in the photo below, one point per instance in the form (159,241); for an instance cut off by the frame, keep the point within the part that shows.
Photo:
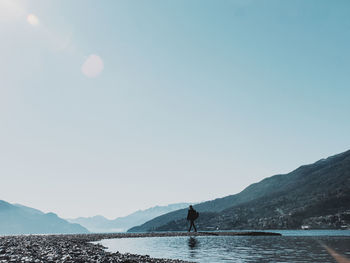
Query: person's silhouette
(191,216)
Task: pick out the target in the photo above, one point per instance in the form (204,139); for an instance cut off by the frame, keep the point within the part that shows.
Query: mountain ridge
(100,224)
(308,182)
(18,219)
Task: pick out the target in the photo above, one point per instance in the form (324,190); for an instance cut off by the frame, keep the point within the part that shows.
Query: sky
(107,107)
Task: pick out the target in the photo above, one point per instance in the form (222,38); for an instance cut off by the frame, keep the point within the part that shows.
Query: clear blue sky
(107,107)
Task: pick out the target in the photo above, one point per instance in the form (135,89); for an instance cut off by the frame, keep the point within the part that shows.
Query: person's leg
(189,230)
(192,224)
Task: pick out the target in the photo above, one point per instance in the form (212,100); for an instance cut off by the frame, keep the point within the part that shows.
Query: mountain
(100,224)
(29,209)
(95,224)
(317,195)
(18,219)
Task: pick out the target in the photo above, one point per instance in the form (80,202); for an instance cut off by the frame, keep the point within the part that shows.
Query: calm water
(293,246)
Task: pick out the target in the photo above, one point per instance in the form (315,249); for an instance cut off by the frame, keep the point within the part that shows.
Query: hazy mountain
(19,219)
(29,209)
(100,224)
(317,194)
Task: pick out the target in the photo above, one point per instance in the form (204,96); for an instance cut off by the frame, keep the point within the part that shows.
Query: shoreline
(79,247)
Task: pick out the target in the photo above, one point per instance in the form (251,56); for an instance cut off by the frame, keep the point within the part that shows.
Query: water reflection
(193,245)
(243,249)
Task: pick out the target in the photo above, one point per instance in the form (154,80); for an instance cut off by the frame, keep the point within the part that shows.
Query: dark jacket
(192,214)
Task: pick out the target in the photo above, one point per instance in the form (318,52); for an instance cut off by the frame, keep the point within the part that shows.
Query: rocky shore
(79,248)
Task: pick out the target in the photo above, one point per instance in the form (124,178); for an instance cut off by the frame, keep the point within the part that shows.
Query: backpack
(196,215)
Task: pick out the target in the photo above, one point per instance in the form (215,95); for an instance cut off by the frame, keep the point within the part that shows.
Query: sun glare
(33,20)
(92,66)
(10,10)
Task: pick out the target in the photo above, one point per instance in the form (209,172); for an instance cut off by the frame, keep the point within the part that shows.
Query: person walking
(191,216)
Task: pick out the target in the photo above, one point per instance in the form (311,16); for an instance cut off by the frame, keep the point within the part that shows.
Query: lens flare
(93,66)
(33,20)
(339,258)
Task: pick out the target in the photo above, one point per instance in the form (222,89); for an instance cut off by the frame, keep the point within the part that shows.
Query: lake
(294,246)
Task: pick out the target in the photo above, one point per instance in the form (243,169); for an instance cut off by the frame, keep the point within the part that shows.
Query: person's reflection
(193,244)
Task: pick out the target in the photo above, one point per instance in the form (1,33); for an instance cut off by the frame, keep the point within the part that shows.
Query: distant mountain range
(18,219)
(100,224)
(317,195)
